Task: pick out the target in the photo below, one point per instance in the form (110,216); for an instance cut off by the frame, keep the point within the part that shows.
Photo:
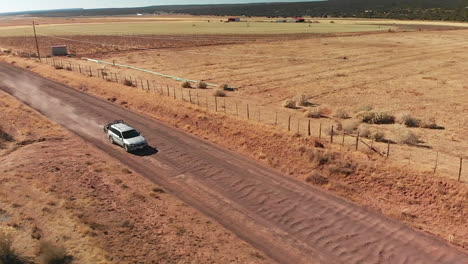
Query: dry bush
(342,167)
(408,120)
(301,100)
(201,85)
(316,179)
(320,157)
(128,83)
(219,93)
(7,254)
(313,113)
(350,126)
(52,254)
(340,113)
(364,130)
(383,118)
(403,135)
(430,123)
(186,85)
(378,136)
(375,117)
(288,103)
(58,67)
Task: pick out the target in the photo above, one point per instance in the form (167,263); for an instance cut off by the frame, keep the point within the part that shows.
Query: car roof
(122,127)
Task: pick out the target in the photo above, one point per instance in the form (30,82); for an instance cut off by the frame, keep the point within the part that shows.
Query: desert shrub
(364,130)
(350,126)
(202,85)
(58,67)
(378,136)
(224,87)
(340,113)
(186,85)
(430,123)
(383,118)
(219,93)
(301,100)
(52,254)
(405,136)
(128,82)
(313,113)
(341,167)
(375,117)
(364,116)
(7,254)
(316,179)
(408,120)
(320,157)
(288,103)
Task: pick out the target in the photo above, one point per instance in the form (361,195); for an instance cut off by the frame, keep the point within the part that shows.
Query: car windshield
(130,134)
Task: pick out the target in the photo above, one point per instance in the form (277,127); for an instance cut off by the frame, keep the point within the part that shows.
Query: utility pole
(37,43)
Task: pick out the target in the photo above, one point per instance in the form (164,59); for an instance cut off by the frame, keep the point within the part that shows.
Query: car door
(119,138)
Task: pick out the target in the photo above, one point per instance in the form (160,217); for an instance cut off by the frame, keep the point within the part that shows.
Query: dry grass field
(57,189)
(418,198)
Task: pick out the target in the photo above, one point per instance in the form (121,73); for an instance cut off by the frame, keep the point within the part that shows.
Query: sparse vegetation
(301,100)
(408,120)
(430,123)
(403,135)
(288,103)
(317,179)
(350,126)
(375,117)
(201,85)
(127,82)
(340,113)
(378,136)
(52,254)
(364,130)
(186,85)
(7,254)
(315,112)
(219,93)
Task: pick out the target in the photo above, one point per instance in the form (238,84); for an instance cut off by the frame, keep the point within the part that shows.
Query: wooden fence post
(198,99)
(216,103)
(289,123)
(142,86)
(190,96)
(342,141)
(320,131)
(436,162)
(237,109)
(357,140)
(460,170)
(331,135)
(147,82)
(388,148)
(276,118)
(248,112)
(79,67)
(258,114)
(298,123)
(173,90)
(308,128)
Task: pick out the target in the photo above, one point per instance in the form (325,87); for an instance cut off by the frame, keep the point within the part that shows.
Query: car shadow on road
(148,151)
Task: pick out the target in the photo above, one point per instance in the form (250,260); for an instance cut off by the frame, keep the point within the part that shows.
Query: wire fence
(430,161)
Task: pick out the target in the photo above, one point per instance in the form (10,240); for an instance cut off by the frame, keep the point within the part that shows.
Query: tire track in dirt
(290,221)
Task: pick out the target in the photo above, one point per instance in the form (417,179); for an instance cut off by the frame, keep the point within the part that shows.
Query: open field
(57,188)
(420,199)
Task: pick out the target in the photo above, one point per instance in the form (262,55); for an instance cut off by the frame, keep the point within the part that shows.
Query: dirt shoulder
(56,188)
(434,204)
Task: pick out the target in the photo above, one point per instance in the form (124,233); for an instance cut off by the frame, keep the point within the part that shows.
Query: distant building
(233,19)
(59,50)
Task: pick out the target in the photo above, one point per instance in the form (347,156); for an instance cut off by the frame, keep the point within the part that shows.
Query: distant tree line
(456,10)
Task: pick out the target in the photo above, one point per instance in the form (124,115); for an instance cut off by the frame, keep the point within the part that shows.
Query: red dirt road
(290,221)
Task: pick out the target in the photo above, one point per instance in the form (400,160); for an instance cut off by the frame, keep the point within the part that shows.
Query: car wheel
(126,148)
(111,140)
